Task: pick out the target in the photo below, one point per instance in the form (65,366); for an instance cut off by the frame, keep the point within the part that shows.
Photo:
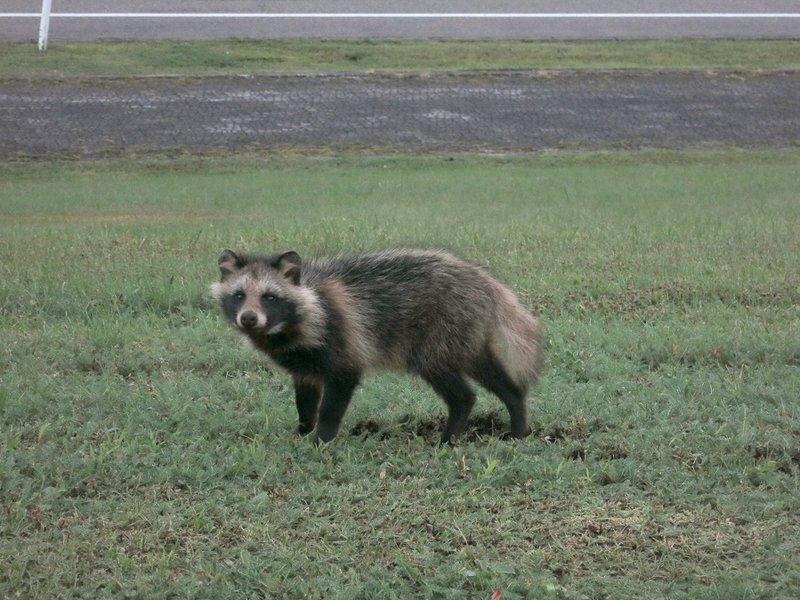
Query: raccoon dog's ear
(229,263)
(288,265)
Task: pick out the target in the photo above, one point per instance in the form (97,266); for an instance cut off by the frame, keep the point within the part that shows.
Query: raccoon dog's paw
(304,430)
(511,435)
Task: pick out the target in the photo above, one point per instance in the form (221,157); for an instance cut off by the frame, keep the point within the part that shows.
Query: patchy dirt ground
(491,112)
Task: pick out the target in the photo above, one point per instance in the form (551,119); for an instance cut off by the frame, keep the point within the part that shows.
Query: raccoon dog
(329,321)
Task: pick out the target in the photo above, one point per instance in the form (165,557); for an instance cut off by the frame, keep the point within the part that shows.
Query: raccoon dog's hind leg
(488,372)
(458,396)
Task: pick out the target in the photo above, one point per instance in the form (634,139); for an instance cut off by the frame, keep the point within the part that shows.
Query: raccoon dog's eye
(238,295)
(268,297)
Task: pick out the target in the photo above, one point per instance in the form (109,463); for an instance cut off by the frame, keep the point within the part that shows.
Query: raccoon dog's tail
(516,339)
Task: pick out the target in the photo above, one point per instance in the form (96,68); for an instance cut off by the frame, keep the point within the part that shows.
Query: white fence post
(44,24)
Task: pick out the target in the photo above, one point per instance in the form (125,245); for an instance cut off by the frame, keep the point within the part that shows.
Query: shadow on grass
(480,426)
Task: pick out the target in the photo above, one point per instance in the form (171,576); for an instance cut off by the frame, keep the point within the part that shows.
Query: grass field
(145,452)
(247,56)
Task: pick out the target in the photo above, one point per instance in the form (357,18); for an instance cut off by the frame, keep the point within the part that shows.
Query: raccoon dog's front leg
(307,394)
(337,392)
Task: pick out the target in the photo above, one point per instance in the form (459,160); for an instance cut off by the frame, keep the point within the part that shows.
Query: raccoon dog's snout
(248,319)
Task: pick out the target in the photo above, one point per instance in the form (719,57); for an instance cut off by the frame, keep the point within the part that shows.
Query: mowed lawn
(146,452)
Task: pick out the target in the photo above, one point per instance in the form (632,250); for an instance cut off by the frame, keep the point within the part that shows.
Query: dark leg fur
(459,398)
(491,375)
(336,395)
(306,397)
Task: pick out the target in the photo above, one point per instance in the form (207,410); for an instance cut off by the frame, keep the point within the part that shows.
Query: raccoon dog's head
(261,295)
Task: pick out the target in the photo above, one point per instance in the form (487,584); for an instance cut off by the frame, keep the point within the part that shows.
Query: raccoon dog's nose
(248,319)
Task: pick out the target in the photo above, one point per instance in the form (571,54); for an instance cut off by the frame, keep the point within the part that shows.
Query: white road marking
(222,15)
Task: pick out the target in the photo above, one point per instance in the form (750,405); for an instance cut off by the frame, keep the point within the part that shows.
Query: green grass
(144,452)
(247,56)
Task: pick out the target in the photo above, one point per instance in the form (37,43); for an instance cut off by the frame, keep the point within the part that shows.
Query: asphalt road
(501,19)
(506,112)
(503,112)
